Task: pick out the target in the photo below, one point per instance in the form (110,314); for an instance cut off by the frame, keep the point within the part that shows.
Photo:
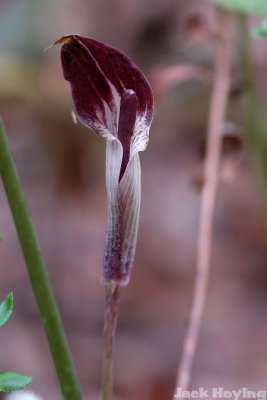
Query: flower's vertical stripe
(130,192)
(126,125)
(123,215)
(111,265)
(123,193)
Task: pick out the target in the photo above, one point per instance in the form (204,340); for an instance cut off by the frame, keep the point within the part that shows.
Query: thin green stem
(38,274)
(111,317)
(255,130)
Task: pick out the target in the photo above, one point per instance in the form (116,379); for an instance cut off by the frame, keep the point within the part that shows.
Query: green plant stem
(255,130)
(38,274)
(111,317)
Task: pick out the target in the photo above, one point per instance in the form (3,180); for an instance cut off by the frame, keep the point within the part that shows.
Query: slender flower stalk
(111,316)
(38,274)
(112,97)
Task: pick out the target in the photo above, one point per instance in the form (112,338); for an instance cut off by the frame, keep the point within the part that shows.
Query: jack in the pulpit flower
(113,97)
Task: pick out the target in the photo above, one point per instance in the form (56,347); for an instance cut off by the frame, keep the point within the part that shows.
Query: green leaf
(261,30)
(246,6)
(6,308)
(11,381)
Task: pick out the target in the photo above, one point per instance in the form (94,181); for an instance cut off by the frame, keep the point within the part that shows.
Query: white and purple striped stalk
(112,96)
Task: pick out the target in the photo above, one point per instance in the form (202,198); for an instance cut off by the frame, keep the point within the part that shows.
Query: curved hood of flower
(112,96)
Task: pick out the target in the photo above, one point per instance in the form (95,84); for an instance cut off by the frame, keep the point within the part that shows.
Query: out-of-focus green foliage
(261,30)
(18,77)
(12,381)
(6,308)
(246,6)
(21,30)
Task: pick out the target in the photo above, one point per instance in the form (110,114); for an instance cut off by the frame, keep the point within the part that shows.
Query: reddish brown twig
(208,198)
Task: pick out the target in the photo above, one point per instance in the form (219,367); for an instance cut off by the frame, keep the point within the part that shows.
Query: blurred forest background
(61,166)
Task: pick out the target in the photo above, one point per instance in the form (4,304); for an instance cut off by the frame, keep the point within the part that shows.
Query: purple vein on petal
(127,118)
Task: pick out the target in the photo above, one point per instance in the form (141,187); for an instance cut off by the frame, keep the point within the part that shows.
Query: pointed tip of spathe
(63,40)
